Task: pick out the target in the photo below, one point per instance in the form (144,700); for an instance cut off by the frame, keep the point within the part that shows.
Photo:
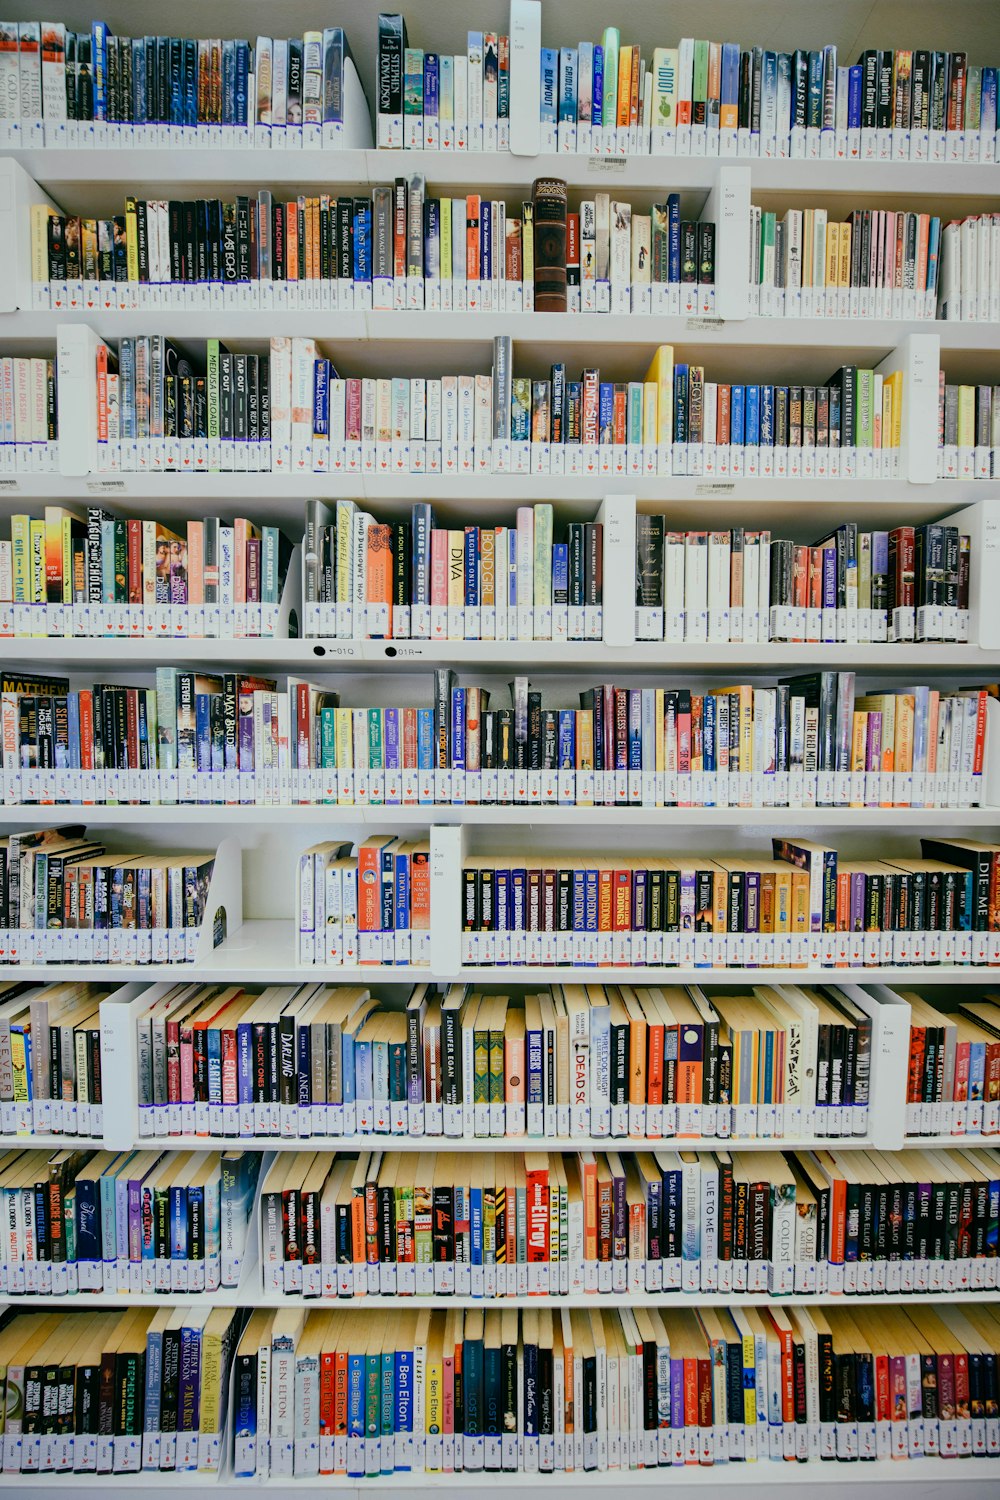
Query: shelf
(317,655)
(264,951)
(237,1297)
(463,1145)
(489,172)
(824,497)
(590,329)
(330,814)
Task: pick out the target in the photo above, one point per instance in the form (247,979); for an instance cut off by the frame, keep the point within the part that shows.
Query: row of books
(64,897)
(291,412)
(396,249)
(910,583)
(876,263)
(953,1072)
(100,574)
(804,906)
(113,564)
(411,579)
(968,430)
(117,1392)
(545,1223)
(372,907)
(92,88)
(29,417)
(135,1221)
(618,1061)
(717,99)
(50,1059)
(812,740)
(582,1390)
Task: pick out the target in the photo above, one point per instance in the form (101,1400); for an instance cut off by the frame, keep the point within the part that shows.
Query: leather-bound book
(549,198)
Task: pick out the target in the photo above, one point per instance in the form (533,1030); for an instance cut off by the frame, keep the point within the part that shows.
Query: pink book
(439,568)
(196,562)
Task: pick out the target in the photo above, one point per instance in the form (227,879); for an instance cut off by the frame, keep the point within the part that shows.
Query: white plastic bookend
(728,208)
(617,514)
(981,523)
(919,358)
(289,610)
(19,193)
(525,76)
(890,1014)
(120,1062)
(447,858)
(224,907)
(76,395)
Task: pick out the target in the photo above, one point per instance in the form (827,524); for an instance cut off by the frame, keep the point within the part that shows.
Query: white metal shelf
(144,166)
(907,819)
(915,501)
(475,1144)
(591,329)
(264,950)
(420,656)
(237,1297)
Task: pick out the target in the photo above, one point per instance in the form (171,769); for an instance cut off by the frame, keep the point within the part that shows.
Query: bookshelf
(259,844)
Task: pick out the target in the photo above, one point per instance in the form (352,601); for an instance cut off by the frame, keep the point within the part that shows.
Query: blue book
(486,240)
(578,901)
(190,52)
(363,1072)
(752,422)
(388,890)
(472,567)
(202,732)
(363,243)
(560,573)
(680,403)
(432,92)
(432,239)
(549,85)
(472,1386)
(87,1219)
(729,76)
(99,67)
(241,103)
(814,91)
(673,237)
(988,102)
(635,729)
(213,1039)
(458,729)
(708,717)
(404,1404)
(348,1070)
(933,254)
(737,411)
(605,412)
(597,106)
(355,1412)
(109,1215)
(178,1223)
(567,85)
(138,81)
(512,567)
(534,1051)
(176,81)
(244,1062)
(154,1376)
(476,1227)
(402,893)
(854,76)
(567,739)
(321,398)
(229,82)
(387,1411)
(425,739)
(767,416)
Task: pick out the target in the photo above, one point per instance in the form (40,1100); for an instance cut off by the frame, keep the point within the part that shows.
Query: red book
(537,1206)
(134,561)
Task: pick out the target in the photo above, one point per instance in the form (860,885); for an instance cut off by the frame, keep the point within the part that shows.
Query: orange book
(635,103)
(588,1176)
(655,1032)
(624,86)
(369,882)
(102,393)
(472,209)
(621,919)
(420,886)
(340,1393)
(379,571)
(327,1394)
(690,1392)
(605,900)
(291,242)
(196,561)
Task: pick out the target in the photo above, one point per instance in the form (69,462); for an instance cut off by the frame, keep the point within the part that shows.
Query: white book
(303,366)
(719,554)
(279,84)
(696,586)
(475,91)
(461,91)
(621,256)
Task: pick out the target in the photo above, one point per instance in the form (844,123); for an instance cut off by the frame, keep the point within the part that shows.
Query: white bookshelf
(262,842)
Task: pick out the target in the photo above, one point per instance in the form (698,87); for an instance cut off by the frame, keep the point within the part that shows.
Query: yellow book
(131,240)
(661,374)
(41,213)
(844,256)
(345,552)
(808,246)
(966,416)
(660,749)
(649,398)
(20,539)
(344,738)
(859,745)
(215,1342)
(36,560)
(896,382)
(905,713)
(832,256)
(456,570)
(445,222)
(434,1417)
(624,86)
(888,402)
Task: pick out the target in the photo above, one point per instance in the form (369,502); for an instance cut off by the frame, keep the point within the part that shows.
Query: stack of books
(968,430)
(953,1076)
(910,583)
(370,908)
(29,417)
(616,1061)
(136,1390)
(540,1223)
(136,1221)
(805,906)
(548,1390)
(65,898)
(970,247)
(50,1059)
